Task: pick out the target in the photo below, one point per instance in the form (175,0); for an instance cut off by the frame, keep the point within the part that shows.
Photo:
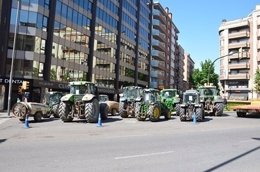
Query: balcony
(154,74)
(159,16)
(158,55)
(159,26)
(239,56)
(154,84)
(239,66)
(158,45)
(238,45)
(241,34)
(238,76)
(158,35)
(158,64)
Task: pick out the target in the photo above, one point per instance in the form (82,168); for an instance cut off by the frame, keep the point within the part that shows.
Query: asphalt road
(223,143)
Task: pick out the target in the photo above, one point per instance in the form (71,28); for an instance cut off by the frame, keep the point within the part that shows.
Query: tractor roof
(169,89)
(191,91)
(151,90)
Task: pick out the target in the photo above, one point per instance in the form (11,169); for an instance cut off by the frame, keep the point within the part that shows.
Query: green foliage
(257,80)
(200,77)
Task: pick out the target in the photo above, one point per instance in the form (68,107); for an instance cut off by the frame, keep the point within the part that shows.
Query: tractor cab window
(78,89)
(191,98)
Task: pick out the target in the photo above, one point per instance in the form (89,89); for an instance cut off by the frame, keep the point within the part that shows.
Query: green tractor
(170,98)
(212,102)
(82,102)
(151,106)
(128,99)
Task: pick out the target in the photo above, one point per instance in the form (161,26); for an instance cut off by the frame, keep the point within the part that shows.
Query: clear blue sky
(198,22)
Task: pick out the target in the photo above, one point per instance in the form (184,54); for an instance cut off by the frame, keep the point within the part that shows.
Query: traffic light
(25,85)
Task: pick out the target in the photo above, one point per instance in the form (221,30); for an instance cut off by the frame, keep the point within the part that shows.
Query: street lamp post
(12,61)
(211,65)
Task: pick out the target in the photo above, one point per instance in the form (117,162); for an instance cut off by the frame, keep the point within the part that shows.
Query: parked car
(113,106)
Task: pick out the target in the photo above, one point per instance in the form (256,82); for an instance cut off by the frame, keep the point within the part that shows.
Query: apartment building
(188,70)
(179,69)
(240,49)
(164,39)
(103,41)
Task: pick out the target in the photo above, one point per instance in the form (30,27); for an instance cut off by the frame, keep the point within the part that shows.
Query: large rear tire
(138,113)
(182,114)
(92,111)
(64,110)
(154,113)
(37,117)
(177,109)
(20,111)
(199,114)
(219,108)
(122,110)
(55,110)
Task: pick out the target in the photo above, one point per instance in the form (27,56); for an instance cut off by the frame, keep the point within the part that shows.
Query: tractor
(82,103)
(191,107)
(151,106)
(128,99)
(212,102)
(170,98)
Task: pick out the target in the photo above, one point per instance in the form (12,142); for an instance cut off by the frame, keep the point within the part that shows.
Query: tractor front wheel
(154,113)
(64,110)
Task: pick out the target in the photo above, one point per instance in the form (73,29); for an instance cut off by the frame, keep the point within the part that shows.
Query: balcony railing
(239,34)
(238,76)
(239,66)
(238,45)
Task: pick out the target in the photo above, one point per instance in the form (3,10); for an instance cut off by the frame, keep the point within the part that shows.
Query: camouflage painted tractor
(191,106)
(128,99)
(151,107)
(82,103)
(213,103)
(170,98)
(52,99)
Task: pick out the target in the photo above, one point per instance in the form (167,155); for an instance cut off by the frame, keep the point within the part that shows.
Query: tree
(257,80)
(200,77)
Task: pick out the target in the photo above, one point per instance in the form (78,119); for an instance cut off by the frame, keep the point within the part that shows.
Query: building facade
(187,71)
(164,39)
(179,62)
(103,41)
(241,39)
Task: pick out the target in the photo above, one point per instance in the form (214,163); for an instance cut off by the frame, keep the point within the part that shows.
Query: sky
(199,20)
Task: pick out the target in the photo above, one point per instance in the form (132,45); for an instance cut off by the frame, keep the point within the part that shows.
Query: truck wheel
(20,110)
(92,111)
(154,113)
(113,112)
(138,113)
(182,114)
(219,108)
(63,112)
(241,114)
(37,117)
(122,111)
(199,114)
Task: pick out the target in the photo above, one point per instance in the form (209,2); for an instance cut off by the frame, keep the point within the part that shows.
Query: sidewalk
(5,115)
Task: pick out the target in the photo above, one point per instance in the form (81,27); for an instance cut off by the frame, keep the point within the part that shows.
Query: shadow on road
(256,138)
(109,120)
(45,120)
(2,140)
(232,159)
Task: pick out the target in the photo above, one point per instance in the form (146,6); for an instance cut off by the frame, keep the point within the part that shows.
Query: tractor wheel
(219,108)
(182,114)
(104,111)
(20,111)
(177,109)
(154,113)
(64,110)
(37,117)
(113,112)
(167,114)
(122,111)
(199,114)
(92,111)
(241,114)
(138,113)
(55,110)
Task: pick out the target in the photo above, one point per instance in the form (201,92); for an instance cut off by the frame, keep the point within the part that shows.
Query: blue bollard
(99,120)
(194,120)
(26,122)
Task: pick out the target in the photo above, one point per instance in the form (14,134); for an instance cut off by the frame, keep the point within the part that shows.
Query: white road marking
(3,120)
(143,155)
